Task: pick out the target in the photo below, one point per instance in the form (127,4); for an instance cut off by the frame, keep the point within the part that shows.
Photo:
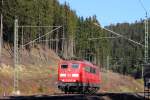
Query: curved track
(101,96)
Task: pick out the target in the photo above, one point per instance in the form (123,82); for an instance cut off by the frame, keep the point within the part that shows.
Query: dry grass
(37,71)
(114,82)
(38,75)
(42,80)
(32,80)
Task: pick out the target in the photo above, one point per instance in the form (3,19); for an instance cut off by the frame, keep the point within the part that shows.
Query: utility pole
(146,39)
(146,42)
(16,59)
(107,63)
(1,31)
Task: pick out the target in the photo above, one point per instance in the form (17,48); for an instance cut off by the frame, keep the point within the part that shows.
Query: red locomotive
(78,76)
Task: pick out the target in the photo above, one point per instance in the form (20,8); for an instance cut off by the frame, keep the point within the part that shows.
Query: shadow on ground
(102,96)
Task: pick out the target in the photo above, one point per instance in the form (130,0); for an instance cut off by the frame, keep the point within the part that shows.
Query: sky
(111,11)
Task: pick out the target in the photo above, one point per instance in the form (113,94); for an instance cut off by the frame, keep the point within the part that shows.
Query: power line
(142,5)
(144,8)
(42,36)
(102,38)
(119,35)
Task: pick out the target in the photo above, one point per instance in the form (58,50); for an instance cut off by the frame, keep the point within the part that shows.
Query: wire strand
(142,5)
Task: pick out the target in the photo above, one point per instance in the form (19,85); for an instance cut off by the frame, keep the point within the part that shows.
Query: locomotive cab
(78,76)
(69,76)
(69,72)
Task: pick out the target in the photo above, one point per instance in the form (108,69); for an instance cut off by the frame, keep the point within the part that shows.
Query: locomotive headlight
(62,75)
(75,75)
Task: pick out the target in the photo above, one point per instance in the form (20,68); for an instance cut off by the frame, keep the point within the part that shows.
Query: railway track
(99,96)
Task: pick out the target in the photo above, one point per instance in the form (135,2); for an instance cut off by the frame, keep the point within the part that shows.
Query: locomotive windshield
(64,66)
(75,65)
(90,69)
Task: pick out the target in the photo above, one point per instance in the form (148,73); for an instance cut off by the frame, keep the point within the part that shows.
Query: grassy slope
(39,77)
(37,71)
(114,82)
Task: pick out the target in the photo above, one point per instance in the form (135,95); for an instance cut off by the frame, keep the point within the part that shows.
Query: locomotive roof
(78,61)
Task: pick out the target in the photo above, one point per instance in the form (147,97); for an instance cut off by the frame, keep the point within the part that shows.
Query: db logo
(69,75)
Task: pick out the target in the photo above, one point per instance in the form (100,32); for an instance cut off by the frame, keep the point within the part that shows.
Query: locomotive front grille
(63,84)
